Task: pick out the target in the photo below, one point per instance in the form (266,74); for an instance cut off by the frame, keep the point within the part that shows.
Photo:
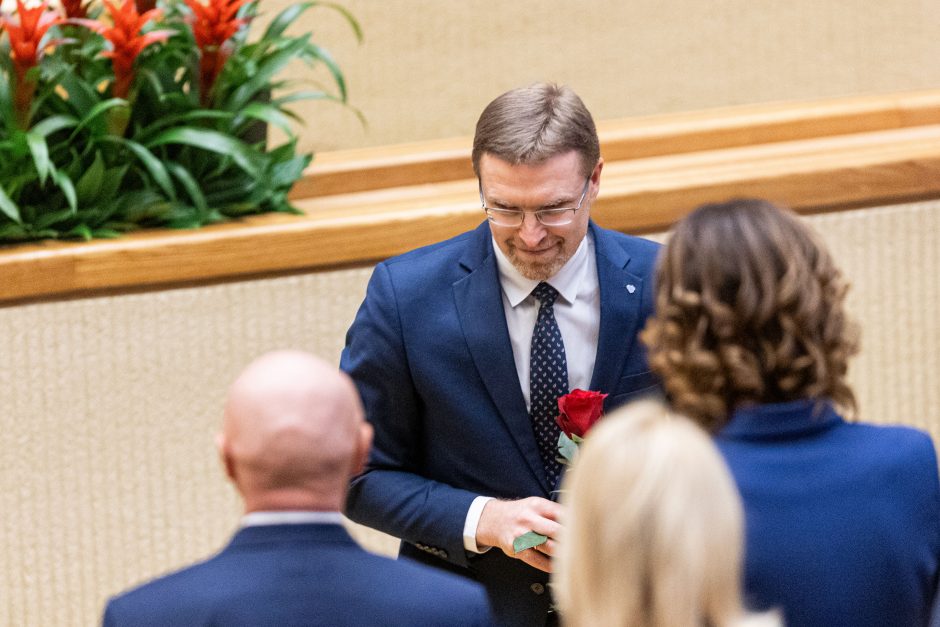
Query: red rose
(579,410)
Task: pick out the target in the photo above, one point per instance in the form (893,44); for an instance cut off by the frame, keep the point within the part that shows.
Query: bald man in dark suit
(293,435)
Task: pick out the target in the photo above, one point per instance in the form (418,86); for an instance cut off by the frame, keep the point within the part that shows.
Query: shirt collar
(567,280)
(291,517)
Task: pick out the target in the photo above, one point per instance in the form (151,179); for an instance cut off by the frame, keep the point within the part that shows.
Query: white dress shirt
(290,517)
(578,313)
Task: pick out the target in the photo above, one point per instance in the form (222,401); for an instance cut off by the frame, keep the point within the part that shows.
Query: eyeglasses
(548,217)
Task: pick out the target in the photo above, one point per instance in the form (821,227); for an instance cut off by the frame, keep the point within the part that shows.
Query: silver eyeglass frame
(539,213)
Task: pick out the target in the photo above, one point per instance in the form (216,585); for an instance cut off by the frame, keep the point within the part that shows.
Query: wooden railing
(364,205)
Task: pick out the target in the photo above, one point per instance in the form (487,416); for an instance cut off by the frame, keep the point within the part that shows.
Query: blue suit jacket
(843,520)
(430,353)
(293,575)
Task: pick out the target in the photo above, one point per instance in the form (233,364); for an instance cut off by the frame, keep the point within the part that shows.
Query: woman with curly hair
(750,338)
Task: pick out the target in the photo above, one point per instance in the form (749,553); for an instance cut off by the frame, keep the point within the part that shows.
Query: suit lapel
(620,311)
(480,308)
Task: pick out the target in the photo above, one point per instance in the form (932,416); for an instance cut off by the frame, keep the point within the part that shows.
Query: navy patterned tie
(548,379)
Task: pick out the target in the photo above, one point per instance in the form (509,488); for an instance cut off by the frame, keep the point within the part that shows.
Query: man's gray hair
(530,125)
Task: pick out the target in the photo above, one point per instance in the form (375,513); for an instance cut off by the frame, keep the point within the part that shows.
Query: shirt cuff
(470,526)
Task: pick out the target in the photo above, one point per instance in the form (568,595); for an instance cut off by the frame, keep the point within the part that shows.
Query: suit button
(537,588)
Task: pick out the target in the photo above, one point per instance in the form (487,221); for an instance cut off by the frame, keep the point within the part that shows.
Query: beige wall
(110,405)
(427,67)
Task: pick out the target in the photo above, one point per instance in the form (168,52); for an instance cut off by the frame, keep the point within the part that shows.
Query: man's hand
(503,521)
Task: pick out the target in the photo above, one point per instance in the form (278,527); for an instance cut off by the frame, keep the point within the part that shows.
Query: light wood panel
(349,171)
(830,169)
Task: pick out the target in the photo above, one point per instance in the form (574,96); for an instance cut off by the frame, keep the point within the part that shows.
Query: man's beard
(537,271)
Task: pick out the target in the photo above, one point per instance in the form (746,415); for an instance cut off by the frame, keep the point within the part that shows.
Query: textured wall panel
(110,409)
(891,257)
(110,406)
(427,68)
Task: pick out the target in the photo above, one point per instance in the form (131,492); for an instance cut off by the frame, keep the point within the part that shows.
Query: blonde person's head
(653,527)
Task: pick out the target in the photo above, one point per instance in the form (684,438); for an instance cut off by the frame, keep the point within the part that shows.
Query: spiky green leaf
(90,182)
(96,111)
(284,19)
(249,160)
(190,185)
(9,208)
(270,114)
(39,149)
(265,71)
(323,55)
(64,182)
(52,124)
(151,164)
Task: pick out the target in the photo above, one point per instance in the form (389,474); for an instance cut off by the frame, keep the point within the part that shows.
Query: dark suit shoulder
(893,442)
(430,270)
(149,602)
(449,249)
(438,597)
(302,583)
(901,434)
(903,455)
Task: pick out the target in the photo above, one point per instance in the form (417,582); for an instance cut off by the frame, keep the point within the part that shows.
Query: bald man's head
(293,433)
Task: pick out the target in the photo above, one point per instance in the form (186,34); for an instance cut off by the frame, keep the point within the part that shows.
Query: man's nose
(531,230)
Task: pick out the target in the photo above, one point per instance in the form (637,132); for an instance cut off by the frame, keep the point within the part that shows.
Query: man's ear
(596,178)
(363,448)
(221,445)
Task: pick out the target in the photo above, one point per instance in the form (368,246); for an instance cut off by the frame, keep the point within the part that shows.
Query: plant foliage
(124,115)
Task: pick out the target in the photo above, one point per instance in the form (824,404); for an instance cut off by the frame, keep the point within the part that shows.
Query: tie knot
(545,293)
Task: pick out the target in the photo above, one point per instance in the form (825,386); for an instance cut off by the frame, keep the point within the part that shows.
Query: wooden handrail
(348,171)
(820,172)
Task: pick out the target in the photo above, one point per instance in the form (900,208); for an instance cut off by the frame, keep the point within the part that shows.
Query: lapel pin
(631,287)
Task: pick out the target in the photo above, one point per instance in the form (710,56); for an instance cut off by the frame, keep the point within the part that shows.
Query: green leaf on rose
(567,447)
(528,540)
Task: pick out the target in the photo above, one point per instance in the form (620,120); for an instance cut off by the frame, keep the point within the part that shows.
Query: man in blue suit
(293,435)
(456,352)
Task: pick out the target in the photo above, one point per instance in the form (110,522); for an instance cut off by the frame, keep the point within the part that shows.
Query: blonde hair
(653,527)
(749,309)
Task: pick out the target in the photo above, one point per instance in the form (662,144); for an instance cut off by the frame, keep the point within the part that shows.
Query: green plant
(123,116)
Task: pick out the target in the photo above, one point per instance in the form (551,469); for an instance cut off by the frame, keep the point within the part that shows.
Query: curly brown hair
(749,310)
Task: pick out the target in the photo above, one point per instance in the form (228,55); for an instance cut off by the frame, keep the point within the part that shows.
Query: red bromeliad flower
(127,42)
(145,5)
(213,25)
(26,49)
(75,9)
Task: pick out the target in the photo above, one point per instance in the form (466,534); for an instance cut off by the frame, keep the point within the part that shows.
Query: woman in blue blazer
(750,337)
